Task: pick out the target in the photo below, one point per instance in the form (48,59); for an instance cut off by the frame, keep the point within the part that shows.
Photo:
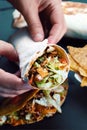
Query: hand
(52,11)
(10,84)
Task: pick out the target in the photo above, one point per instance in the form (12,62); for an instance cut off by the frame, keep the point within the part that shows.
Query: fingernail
(51,40)
(26,86)
(38,37)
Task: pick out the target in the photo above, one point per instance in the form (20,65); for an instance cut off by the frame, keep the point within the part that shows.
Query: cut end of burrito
(50,69)
(43,104)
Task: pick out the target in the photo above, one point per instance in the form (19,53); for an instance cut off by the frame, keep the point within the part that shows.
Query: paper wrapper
(75,14)
(28,51)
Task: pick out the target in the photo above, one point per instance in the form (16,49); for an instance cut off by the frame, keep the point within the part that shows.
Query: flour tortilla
(29,50)
(76,19)
(19,112)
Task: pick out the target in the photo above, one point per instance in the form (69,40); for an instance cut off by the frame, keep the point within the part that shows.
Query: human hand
(53,13)
(10,84)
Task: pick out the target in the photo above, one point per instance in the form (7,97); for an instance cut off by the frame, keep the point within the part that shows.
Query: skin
(10,84)
(38,14)
(51,12)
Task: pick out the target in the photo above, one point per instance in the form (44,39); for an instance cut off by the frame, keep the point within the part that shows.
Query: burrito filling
(49,70)
(43,104)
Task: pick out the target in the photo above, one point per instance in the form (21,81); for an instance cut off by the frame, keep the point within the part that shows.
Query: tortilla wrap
(29,107)
(29,51)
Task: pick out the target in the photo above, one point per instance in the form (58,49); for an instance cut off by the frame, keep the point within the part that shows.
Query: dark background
(74,110)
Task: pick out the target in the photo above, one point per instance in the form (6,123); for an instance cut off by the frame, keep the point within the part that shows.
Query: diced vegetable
(43,72)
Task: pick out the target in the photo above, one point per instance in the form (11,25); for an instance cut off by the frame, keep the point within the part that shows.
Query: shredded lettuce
(40,59)
(50,81)
(36,64)
(48,100)
(42,101)
(56,75)
(2,120)
(44,84)
(53,63)
(55,101)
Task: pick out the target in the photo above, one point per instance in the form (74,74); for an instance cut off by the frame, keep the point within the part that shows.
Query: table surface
(74,110)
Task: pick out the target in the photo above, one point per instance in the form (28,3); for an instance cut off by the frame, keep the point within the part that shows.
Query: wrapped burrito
(45,68)
(75,14)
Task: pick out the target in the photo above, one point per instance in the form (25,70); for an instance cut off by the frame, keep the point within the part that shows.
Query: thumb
(11,85)
(34,24)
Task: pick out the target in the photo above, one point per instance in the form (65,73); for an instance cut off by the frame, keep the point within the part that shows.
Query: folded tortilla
(50,63)
(29,52)
(32,107)
(75,14)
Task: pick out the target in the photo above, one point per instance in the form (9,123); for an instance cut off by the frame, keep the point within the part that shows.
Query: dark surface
(74,110)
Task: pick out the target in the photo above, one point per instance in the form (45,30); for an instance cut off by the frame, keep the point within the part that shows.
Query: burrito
(45,68)
(50,69)
(75,14)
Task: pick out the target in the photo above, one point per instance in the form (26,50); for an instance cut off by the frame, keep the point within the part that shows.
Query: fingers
(29,9)
(11,85)
(6,49)
(18,73)
(55,35)
(34,24)
(52,8)
(8,80)
(58,25)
